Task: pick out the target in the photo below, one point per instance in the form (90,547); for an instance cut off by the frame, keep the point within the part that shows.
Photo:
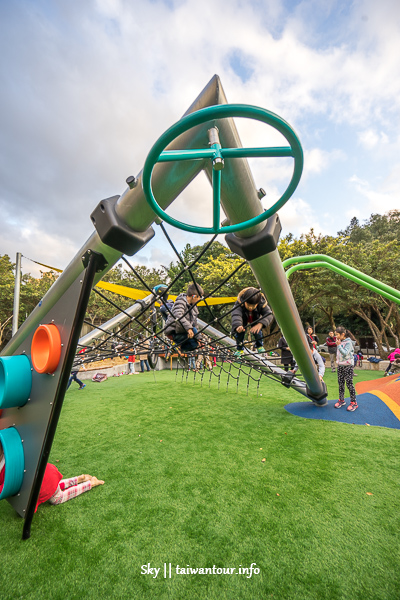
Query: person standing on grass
(319,363)
(204,353)
(345,368)
(192,362)
(288,361)
(131,363)
(143,353)
(332,349)
(312,338)
(73,377)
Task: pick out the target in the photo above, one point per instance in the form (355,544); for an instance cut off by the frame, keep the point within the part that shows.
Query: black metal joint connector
(101,262)
(114,232)
(259,244)
(321,399)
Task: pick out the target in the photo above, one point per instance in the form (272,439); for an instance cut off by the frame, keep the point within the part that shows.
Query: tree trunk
(384,323)
(395,331)
(376,333)
(304,305)
(329,313)
(3,328)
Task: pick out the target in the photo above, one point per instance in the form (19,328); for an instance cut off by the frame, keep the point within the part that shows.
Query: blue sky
(87,88)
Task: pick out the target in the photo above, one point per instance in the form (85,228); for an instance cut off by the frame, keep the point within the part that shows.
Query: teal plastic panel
(14,462)
(15,380)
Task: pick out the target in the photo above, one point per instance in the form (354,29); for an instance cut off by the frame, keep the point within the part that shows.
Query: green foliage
(385,228)
(32,291)
(329,298)
(201,270)
(6,295)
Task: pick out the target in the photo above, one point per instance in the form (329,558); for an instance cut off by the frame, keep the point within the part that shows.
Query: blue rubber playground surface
(372,410)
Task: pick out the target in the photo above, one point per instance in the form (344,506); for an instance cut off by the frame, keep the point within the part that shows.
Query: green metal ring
(222,111)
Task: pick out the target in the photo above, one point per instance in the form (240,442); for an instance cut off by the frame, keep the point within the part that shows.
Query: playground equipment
(204,139)
(33,381)
(322,261)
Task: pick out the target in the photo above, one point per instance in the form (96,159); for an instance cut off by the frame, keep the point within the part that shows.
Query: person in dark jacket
(286,355)
(181,325)
(250,309)
(332,349)
(312,338)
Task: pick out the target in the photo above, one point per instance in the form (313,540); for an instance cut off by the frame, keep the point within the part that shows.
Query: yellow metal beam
(129,292)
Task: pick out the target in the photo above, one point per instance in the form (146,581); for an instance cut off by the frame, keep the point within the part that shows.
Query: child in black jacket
(181,323)
(251,309)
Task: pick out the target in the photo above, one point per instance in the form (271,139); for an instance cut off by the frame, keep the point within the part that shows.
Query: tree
(385,228)
(33,289)
(330,297)
(6,295)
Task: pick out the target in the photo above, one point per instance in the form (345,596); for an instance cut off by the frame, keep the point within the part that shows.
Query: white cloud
(37,244)
(297,217)
(370,138)
(382,196)
(353,212)
(318,160)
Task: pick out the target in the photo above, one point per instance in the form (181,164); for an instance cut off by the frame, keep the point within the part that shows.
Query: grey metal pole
(17,290)
(271,276)
(268,270)
(119,319)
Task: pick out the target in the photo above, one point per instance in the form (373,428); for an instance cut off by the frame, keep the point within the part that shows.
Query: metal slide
(116,321)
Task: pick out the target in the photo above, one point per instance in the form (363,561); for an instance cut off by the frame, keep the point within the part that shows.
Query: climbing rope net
(144,334)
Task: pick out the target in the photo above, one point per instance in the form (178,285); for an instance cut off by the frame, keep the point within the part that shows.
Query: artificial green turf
(186,484)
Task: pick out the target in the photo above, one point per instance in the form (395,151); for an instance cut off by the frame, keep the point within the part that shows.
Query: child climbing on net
(54,488)
(181,324)
(250,310)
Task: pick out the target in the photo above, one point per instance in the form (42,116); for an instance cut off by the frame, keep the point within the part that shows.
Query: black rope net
(144,334)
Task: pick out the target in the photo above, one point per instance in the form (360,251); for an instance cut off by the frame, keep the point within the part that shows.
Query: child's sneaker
(352,406)
(260,350)
(340,403)
(239,353)
(82,386)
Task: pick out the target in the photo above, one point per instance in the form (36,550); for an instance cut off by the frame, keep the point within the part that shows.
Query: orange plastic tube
(46,349)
